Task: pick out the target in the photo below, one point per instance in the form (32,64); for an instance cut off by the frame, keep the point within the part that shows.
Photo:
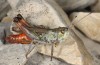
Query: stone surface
(65,4)
(12,54)
(95,7)
(92,47)
(89,25)
(4,8)
(75,4)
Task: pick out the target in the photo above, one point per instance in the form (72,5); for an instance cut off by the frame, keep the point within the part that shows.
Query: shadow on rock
(40,59)
(4,31)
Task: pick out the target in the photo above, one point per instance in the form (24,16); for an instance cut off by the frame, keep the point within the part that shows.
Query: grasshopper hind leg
(52,49)
(30,48)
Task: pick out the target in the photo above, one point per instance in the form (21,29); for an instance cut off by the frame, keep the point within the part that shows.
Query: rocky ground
(81,45)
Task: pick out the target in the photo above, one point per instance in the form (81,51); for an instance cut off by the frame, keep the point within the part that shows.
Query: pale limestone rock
(49,14)
(12,54)
(92,47)
(75,4)
(96,6)
(65,4)
(89,25)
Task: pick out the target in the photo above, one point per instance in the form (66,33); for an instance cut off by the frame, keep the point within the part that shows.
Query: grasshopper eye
(15,20)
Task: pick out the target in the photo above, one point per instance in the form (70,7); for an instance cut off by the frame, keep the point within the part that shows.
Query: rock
(13,3)
(4,8)
(89,25)
(75,4)
(67,5)
(12,54)
(92,47)
(49,14)
(95,7)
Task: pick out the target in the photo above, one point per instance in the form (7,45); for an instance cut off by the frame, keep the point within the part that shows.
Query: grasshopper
(38,34)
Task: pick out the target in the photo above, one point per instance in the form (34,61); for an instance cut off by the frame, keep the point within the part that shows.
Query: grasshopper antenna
(70,26)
